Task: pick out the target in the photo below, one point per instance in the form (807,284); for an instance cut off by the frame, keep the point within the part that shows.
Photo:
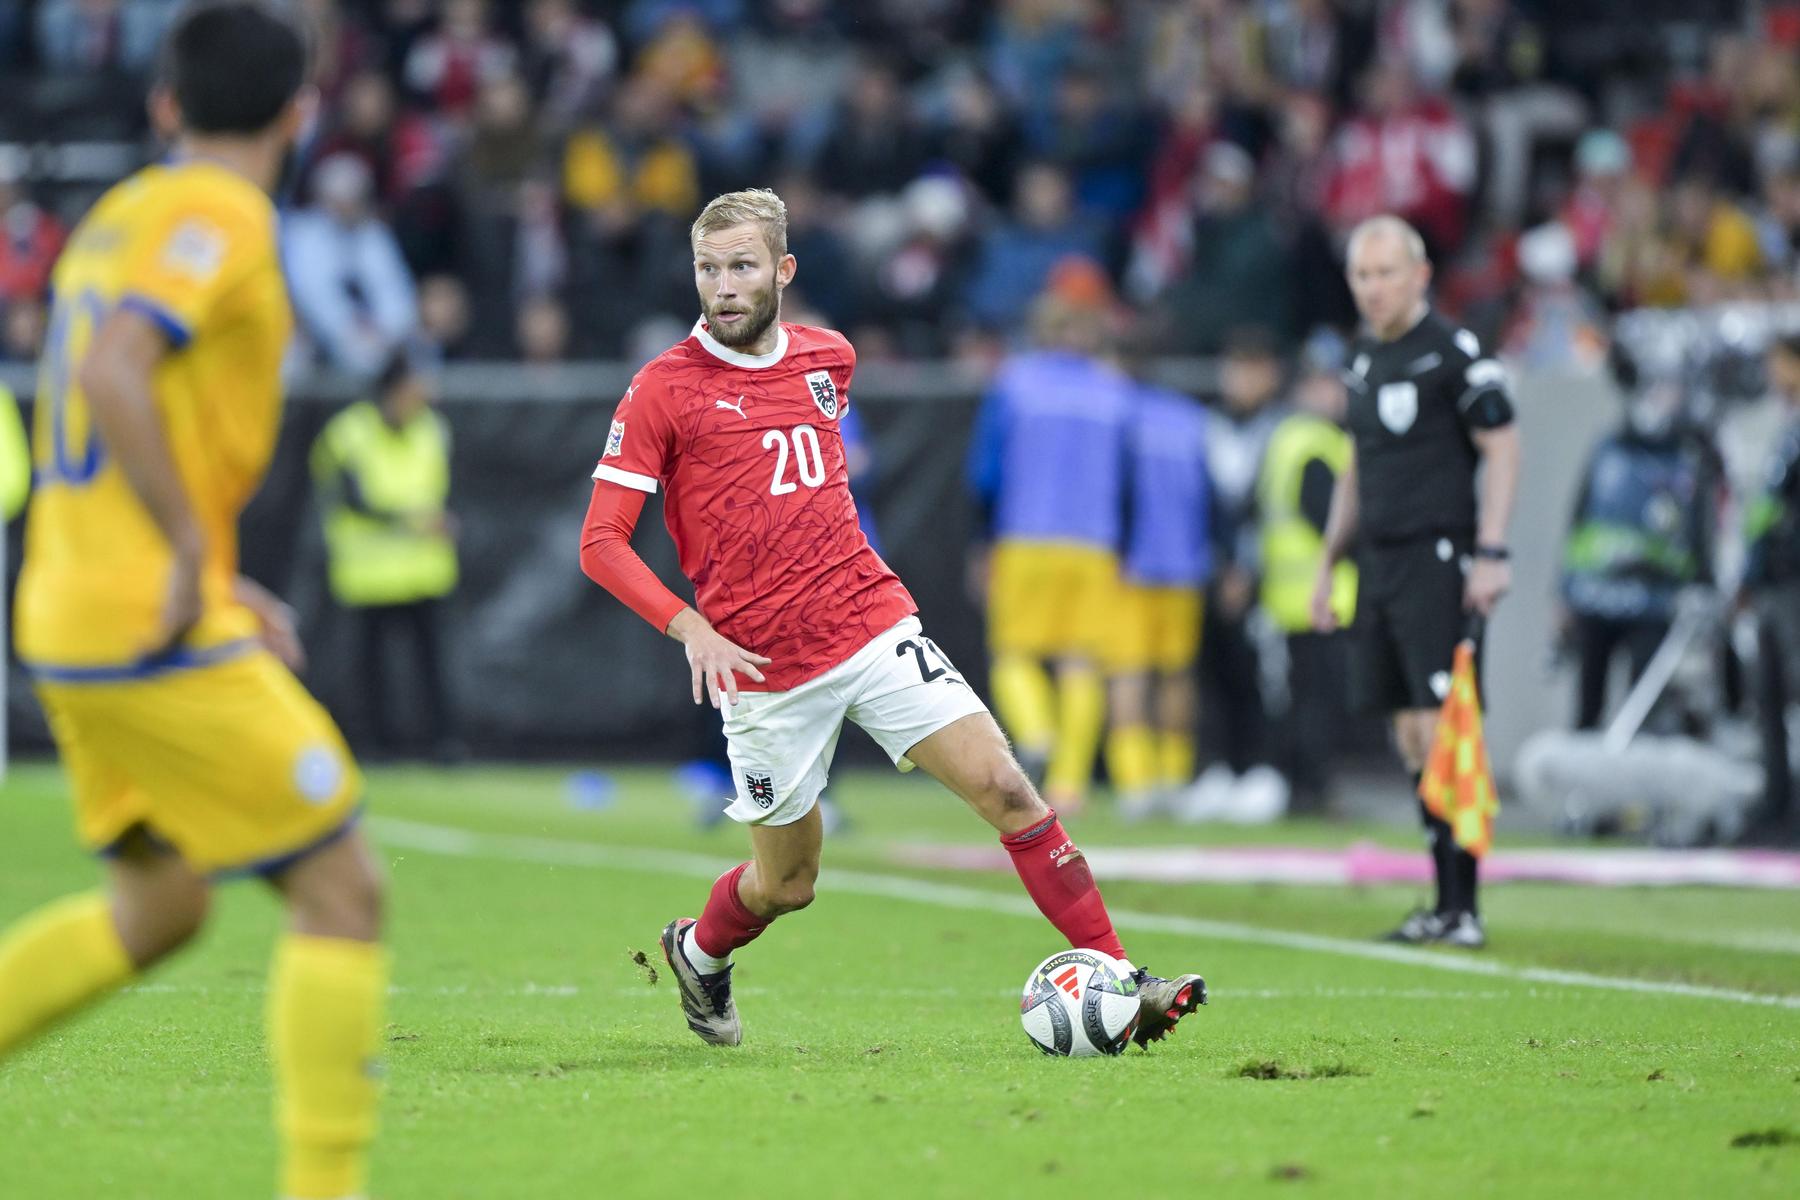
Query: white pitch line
(462,843)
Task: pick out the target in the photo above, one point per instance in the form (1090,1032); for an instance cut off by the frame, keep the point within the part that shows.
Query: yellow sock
(1175,758)
(1026,701)
(54,961)
(325,1002)
(1081,719)
(1131,759)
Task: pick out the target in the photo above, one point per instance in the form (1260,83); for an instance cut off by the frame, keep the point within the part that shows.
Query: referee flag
(1457,785)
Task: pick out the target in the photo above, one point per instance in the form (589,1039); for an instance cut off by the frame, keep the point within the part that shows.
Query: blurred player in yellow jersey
(192,753)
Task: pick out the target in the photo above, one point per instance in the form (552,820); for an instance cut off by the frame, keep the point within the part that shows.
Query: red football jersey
(747,450)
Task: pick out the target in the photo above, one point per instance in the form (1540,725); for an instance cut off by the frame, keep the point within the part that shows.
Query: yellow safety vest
(401,473)
(15,458)
(1291,548)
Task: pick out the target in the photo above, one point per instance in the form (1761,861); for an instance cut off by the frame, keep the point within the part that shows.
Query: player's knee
(154,927)
(343,895)
(796,895)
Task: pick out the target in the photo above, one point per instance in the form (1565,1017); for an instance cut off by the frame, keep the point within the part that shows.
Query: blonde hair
(754,205)
(1391,226)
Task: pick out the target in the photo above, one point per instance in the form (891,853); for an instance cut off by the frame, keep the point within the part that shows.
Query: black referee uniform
(1414,404)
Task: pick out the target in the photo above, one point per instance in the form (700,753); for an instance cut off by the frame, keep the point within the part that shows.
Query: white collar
(753,362)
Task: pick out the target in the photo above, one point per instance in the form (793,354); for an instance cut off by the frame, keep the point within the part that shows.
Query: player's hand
(1489,579)
(714,661)
(279,629)
(182,606)
(1324,614)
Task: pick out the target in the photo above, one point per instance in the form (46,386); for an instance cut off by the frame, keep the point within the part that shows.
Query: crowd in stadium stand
(517,179)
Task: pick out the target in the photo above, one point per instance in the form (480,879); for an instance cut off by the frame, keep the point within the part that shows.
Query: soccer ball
(1080,1003)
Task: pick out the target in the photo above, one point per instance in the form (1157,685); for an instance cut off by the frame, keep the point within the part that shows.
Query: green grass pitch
(528,1057)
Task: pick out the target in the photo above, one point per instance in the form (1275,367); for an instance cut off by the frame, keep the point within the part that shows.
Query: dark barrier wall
(542,662)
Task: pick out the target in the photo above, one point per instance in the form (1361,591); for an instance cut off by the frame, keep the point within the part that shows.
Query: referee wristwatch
(1493,553)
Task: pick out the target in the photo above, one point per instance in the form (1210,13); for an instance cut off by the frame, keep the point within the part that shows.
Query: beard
(761,310)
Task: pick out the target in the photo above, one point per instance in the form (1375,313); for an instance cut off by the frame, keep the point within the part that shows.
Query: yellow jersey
(192,246)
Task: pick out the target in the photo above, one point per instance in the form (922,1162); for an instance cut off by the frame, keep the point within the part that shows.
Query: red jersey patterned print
(757,496)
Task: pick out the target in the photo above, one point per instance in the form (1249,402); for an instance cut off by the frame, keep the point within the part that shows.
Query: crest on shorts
(318,774)
(824,392)
(615,440)
(761,789)
(1397,404)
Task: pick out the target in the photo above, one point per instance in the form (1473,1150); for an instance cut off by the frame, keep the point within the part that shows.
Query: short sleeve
(640,445)
(182,261)
(1482,388)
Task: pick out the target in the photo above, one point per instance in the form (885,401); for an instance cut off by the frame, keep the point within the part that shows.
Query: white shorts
(900,688)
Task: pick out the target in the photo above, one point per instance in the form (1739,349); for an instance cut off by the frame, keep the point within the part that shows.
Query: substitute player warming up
(799,623)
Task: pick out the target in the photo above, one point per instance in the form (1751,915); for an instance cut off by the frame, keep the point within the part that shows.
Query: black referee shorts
(1409,617)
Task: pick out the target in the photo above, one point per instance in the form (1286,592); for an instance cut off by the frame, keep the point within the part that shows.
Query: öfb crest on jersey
(824,392)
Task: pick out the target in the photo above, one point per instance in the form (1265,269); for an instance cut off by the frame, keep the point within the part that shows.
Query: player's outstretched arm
(1340,528)
(608,559)
(115,378)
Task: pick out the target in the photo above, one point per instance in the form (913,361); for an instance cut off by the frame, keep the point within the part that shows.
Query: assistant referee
(1426,408)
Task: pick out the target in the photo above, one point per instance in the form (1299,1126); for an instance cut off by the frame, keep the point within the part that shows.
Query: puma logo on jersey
(728,406)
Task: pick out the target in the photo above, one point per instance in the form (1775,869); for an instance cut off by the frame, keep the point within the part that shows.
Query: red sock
(1059,882)
(725,924)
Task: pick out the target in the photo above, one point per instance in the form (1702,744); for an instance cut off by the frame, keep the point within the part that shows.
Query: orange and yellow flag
(1457,785)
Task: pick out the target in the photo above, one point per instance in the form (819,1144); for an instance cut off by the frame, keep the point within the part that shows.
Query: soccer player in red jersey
(798,624)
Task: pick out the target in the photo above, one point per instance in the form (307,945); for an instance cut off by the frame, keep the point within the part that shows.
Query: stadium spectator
(444,315)
(30,239)
(1237,273)
(1030,43)
(22,326)
(1778,227)
(1554,325)
(542,336)
(350,285)
(101,35)
(449,66)
(827,278)
(635,162)
(1603,168)
(920,279)
(978,135)
(569,60)
(1499,71)
(1100,139)
(682,59)
(874,145)
(401,149)
(505,145)
(540,258)
(1315,46)
(382,469)
(1714,239)
(1015,257)
(1403,152)
(1217,45)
